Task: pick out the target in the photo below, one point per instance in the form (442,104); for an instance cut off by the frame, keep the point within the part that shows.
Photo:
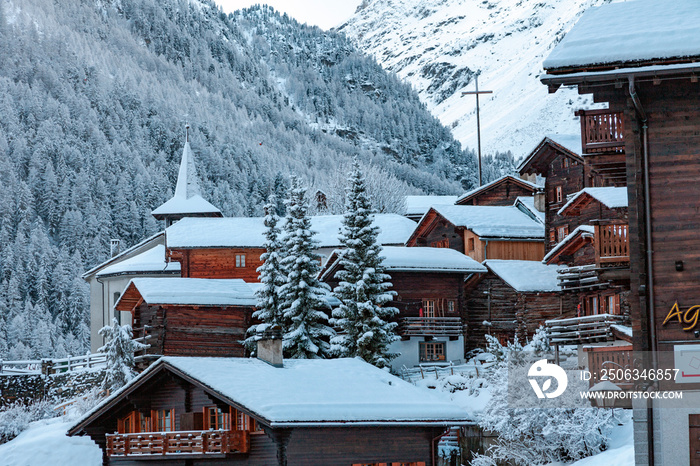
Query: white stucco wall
(454,351)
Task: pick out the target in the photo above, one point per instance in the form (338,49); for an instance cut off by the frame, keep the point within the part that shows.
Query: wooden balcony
(430,326)
(602,131)
(185,443)
(610,358)
(611,244)
(586,329)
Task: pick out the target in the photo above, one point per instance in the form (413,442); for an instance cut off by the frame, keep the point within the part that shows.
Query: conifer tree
(363,286)
(302,296)
(269,311)
(119,348)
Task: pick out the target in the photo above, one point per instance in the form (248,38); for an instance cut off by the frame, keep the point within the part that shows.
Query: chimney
(270,346)
(540,201)
(113,247)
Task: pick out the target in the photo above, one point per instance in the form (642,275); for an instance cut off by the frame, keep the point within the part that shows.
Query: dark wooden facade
(586,209)
(490,299)
(502,192)
(218,262)
(256,441)
(564,175)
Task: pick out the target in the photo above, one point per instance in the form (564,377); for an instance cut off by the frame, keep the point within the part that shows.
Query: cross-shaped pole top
(478,122)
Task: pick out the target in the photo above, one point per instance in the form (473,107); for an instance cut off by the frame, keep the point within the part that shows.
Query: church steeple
(187,200)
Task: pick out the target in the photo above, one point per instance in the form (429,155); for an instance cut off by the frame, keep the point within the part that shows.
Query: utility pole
(478,122)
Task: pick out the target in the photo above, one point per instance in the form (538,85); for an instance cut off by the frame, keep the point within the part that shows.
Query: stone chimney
(270,346)
(114,247)
(540,201)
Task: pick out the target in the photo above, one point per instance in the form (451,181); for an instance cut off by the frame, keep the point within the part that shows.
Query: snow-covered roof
(187,198)
(495,182)
(428,260)
(415,259)
(572,142)
(419,205)
(143,245)
(611,197)
(528,203)
(493,221)
(249,231)
(193,291)
(150,261)
(525,275)
(304,392)
(582,229)
(633,31)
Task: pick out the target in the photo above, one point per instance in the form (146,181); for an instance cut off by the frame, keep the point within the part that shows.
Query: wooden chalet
(513,297)
(481,232)
(558,158)
(429,286)
(501,192)
(655,89)
(189,316)
(231,247)
(185,410)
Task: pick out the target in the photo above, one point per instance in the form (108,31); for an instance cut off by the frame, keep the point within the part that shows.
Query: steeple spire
(187,200)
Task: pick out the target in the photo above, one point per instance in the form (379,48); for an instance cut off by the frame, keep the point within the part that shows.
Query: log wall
(218,262)
(571,181)
(503,194)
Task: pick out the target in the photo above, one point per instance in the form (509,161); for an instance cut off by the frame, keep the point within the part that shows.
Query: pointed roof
(572,243)
(550,147)
(610,196)
(187,201)
(526,185)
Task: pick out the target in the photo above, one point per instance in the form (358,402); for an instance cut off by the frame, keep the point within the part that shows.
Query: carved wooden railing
(601,131)
(179,443)
(586,329)
(611,243)
(611,358)
(436,326)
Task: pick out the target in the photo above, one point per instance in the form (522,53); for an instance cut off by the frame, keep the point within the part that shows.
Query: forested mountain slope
(94,96)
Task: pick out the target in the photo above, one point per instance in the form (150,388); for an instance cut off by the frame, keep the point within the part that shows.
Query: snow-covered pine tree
(306,334)
(119,348)
(363,286)
(269,311)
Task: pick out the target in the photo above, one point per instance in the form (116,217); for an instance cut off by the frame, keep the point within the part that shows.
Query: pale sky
(323,13)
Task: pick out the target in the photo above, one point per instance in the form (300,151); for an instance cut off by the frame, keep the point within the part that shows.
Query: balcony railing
(426,326)
(210,442)
(611,243)
(611,358)
(586,329)
(601,131)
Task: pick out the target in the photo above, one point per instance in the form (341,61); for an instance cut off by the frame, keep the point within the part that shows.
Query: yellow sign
(688,317)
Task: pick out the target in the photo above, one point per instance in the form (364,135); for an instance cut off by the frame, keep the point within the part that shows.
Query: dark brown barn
(189,316)
(513,297)
(481,232)
(503,191)
(429,286)
(204,411)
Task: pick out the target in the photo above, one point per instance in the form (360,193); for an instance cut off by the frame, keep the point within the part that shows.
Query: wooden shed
(500,192)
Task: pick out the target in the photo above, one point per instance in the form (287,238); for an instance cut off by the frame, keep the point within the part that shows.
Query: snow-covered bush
(540,341)
(530,436)
(16,418)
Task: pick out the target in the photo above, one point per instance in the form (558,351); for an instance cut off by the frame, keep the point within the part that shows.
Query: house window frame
(161,421)
(221,418)
(432,351)
(559,194)
(240,261)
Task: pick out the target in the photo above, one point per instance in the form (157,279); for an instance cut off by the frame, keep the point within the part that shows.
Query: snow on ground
(46,443)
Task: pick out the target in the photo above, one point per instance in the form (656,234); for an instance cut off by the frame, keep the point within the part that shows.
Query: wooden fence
(53,366)
(178,443)
(601,131)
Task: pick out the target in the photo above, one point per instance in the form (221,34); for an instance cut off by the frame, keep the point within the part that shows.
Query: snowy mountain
(439,46)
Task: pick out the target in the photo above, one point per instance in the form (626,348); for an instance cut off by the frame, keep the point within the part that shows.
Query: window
(164,420)
(565,162)
(559,194)
(450,306)
(431,351)
(216,419)
(117,314)
(552,236)
(134,423)
(443,243)
(428,308)
(562,232)
(590,305)
(240,260)
(470,245)
(612,304)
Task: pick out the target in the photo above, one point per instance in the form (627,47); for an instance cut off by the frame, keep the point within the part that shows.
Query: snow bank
(46,443)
